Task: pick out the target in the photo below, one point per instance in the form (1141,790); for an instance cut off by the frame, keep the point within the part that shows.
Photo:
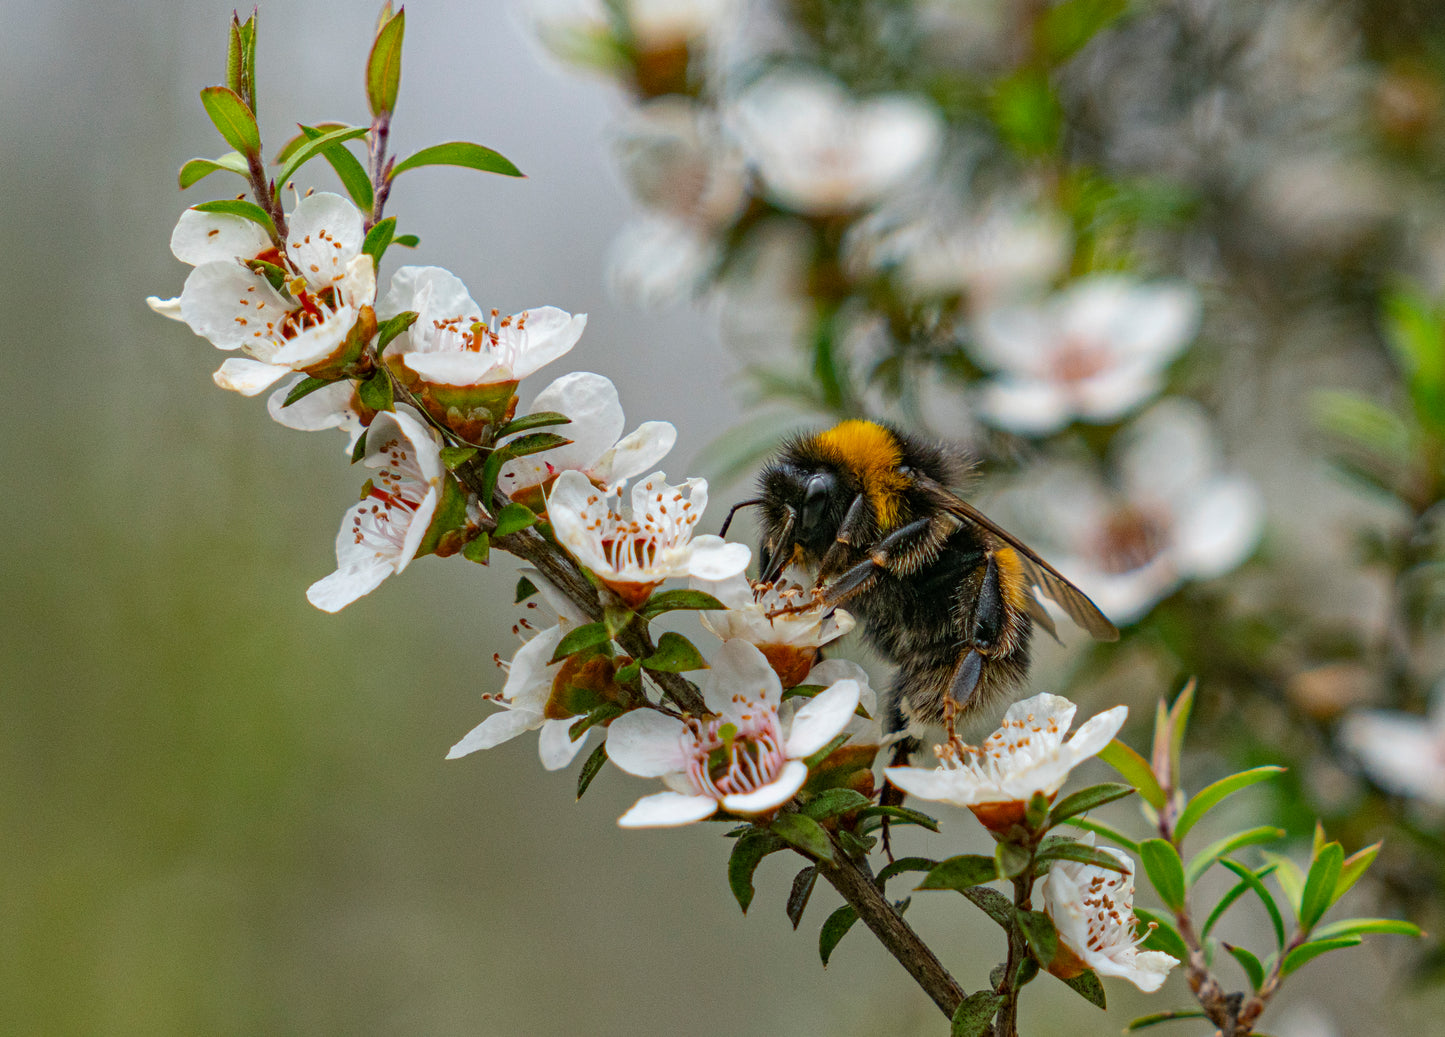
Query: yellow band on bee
(1011,576)
(872,453)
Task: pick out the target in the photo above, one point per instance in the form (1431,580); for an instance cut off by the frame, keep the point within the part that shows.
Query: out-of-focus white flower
(659,260)
(788,640)
(1027,754)
(394,522)
(332,406)
(1093,911)
(598,449)
(632,552)
(820,151)
(1092,353)
(530,676)
(321,322)
(677,159)
(746,759)
(764,314)
(582,32)
(462,367)
(1401,752)
(1173,516)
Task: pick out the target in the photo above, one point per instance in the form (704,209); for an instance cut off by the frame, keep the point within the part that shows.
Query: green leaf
(541,419)
(1165,936)
(1290,878)
(1178,724)
(1112,834)
(675,654)
(832,802)
(834,929)
(1313,949)
(1088,799)
(591,768)
(1165,870)
(453,457)
(239,207)
(359,450)
(673,601)
(350,172)
(456,153)
(407,241)
(1319,891)
(1367,926)
(1249,963)
(575,640)
(1038,929)
(804,833)
(513,519)
(1211,795)
(1084,854)
(814,761)
(1036,812)
(1248,881)
(1146,1021)
(375,392)
(525,589)
(961,872)
(1135,770)
(1026,112)
(617,617)
(975,1013)
(378,239)
(902,864)
(901,815)
(992,903)
(603,713)
(1066,27)
(1012,858)
(1086,984)
(856,846)
(383,65)
(1355,866)
(231,116)
(305,387)
(752,846)
(198,169)
(629,674)
(802,891)
(478,549)
(306,152)
(392,327)
(1201,861)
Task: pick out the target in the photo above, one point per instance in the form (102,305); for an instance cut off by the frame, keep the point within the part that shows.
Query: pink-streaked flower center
(1078,359)
(735,757)
(396,492)
(1130,539)
(1013,747)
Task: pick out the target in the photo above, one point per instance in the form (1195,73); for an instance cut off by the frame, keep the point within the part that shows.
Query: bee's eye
(815,500)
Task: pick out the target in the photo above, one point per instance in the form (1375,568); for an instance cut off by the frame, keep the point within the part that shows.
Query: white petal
(733,591)
(1147,970)
(435,293)
(647,743)
(317,342)
(739,670)
(831,671)
(1045,709)
(344,586)
(590,400)
(772,795)
(547,334)
(459,367)
(529,678)
(569,513)
(1221,528)
(233,307)
(1116,391)
(1169,452)
(934,783)
(166,307)
(248,377)
(1400,751)
(1097,732)
(1014,339)
(564,606)
(821,719)
(500,727)
(327,407)
(213,237)
(636,452)
(555,745)
(714,558)
(324,236)
(1031,408)
(667,810)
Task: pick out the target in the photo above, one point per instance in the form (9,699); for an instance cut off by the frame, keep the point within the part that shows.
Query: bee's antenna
(733,511)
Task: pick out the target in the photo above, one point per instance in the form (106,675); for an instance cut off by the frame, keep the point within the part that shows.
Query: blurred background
(226,812)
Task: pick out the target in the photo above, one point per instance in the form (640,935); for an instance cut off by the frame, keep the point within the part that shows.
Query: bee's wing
(1050,583)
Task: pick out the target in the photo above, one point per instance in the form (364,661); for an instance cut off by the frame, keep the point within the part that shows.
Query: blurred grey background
(222,811)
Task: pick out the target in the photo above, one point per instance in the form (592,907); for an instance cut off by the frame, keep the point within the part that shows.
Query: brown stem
(859,890)
(268,196)
(379,167)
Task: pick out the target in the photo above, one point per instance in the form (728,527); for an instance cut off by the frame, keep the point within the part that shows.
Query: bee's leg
(990,613)
(965,679)
(901,551)
(903,750)
(850,531)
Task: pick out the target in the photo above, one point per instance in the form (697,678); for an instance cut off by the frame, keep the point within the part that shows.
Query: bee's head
(803,503)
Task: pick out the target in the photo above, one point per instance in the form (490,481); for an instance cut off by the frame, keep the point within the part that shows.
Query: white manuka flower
(530,677)
(1173,514)
(581,31)
(462,367)
(1093,353)
(1093,911)
(598,449)
(318,326)
(1026,755)
(755,613)
(819,151)
(398,519)
(337,405)
(745,759)
(1402,752)
(632,552)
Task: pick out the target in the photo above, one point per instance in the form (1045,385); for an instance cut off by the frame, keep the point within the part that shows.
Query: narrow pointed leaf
(1367,926)
(672,601)
(1135,770)
(407,241)
(585,636)
(392,327)
(513,519)
(1211,795)
(1115,836)
(1290,877)
(230,115)
(752,846)
(832,802)
(527,422)
(1249,880)
(834,929)
(591,768)
(992,903)
(802,891)
(961,872)
(348,167)
(1249,963)
(478,549)
(1178,724)
(1165,870)
(359,450)
(1086,984)
(900,815)
(198,169)
(814,761)
(803,833)
(457,153)
(1087,799)
(1201,861)
(1165,936)
(1355,865)
(675,654)
(378,239)
(903,864)
(975,1013)
(1012,859)
(1319,891)
(306,152)
(1038,929)
(303,388)
(383,66)
(1144,1022)
(239,207)
(603,713)
(1072,851)
(1306,952)
(456,456)
(525,589)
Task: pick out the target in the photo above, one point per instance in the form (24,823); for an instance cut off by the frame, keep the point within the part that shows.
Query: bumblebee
(942,591)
